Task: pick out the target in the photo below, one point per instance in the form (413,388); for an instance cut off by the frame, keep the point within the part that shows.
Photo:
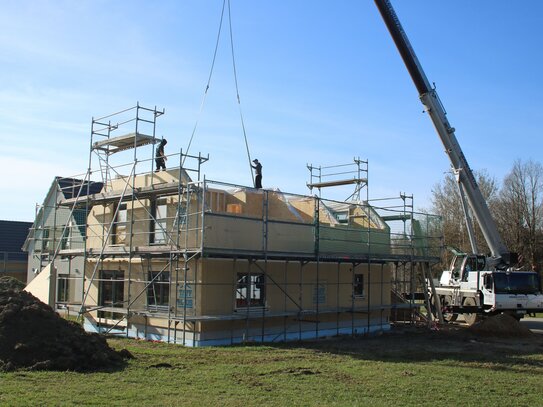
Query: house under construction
(176,257)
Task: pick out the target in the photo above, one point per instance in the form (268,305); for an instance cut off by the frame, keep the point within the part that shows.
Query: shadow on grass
(417,345)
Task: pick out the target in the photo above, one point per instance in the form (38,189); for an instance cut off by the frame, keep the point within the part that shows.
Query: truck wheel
(446,301)
(470,318)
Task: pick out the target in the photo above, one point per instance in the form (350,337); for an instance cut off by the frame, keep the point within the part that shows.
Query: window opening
(159,221)
(359,285)
(66,238)
(63,289)
(319,294)
(250,290)
(184,296)
(46,239)
(111,292)
(342,217)
(120,226)
(158,295)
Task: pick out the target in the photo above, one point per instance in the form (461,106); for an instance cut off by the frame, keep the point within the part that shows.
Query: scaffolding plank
(337,183)
(396,217)
(120,143)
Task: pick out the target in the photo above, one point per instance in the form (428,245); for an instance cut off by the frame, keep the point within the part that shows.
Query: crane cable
(235,81)
(207,85)
(237,94)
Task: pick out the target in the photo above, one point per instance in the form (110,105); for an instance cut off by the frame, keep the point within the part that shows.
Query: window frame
(46,239)
(63,289)
(158,219)
(359,290)
(114,279)
(122,208)
(158,282)
(252,283)
(319,296)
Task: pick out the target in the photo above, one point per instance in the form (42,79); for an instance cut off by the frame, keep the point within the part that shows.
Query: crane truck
(475,285)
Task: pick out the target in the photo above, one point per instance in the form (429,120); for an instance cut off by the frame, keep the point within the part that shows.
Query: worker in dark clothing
(258,171)
(160,157)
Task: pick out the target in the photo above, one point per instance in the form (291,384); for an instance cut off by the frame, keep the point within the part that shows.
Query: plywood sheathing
(219,278)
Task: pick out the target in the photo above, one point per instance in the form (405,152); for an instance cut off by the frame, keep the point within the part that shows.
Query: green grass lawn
(415,368)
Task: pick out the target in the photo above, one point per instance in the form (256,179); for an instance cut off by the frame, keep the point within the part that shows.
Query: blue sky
(320,82)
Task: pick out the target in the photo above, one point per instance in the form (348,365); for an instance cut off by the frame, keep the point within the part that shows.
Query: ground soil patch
(501,325)
(452,341)
(33,336)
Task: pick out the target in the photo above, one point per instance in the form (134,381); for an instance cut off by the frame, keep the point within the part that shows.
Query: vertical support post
(352,298)
(248,297)
(338,310)
(185,271)
(317,295)
(265,213)
(53,295)
(301,300)
(285,317)
(369,299)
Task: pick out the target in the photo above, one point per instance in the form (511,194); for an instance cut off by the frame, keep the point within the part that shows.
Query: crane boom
(436,111)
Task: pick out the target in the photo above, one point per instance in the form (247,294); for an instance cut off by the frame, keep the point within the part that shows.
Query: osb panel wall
(151,178)
(291,238)
(291,285)
(305,207)
(98,222)
(342,239)
(251,201)
(280,209)
(216,200)
(358,217)
(101,216)
(233,233)
(136,290)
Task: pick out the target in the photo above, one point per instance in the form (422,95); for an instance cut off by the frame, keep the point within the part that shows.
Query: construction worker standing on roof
(258,171)
(160,158)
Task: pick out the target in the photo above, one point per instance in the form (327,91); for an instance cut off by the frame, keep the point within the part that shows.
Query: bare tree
(520,213)
(446,203)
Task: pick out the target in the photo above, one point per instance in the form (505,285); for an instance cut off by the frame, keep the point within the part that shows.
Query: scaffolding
(176,257)
(355,173)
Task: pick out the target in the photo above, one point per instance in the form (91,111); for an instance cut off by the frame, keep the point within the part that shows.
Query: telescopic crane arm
(436,111)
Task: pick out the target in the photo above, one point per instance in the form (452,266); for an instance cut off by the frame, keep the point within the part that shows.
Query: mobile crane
(475,285)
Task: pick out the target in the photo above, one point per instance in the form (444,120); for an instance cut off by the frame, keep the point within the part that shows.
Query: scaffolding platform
(120,143)
(337,183)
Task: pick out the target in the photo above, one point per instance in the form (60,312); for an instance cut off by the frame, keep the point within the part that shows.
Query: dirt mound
(35,337)
(502,325)
(7,283)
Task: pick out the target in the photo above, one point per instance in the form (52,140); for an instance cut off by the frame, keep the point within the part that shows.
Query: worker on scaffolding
(258,171)
(160,157)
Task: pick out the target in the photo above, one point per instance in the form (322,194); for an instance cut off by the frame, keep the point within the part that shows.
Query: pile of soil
(502,325)
(7,282)
(33,336)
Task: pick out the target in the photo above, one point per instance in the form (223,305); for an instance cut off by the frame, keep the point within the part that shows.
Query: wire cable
(208,83)
(236,84)
(237,93)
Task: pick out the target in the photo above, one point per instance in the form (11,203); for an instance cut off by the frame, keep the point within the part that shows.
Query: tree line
(516,205)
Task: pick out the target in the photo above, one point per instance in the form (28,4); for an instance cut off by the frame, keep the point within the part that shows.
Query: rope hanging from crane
(235,81)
